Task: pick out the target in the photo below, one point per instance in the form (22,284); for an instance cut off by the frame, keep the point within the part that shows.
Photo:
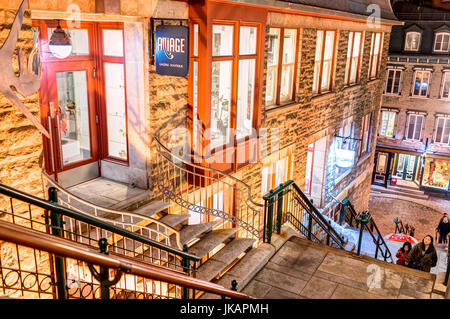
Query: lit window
(412,41)
(393,81)
(414,127)
(375,54)
(324,61)
(441,42)
(445,93)
(345,152)
(309,168)
(366,134)
(281,72)
(442,130)
(421,83)
(387,123)
(353,57)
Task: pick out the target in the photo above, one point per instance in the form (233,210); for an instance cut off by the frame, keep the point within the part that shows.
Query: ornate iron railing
(145,226)
(350,216)
(287,204)
(47,216)
(207,193)
(105,275)
(403,229)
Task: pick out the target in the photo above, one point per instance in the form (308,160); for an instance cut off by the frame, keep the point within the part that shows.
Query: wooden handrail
(66,248)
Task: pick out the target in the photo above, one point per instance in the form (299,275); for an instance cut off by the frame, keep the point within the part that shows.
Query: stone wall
(20,142)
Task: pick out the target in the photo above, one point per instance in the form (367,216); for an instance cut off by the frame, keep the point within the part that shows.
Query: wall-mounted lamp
(60,44)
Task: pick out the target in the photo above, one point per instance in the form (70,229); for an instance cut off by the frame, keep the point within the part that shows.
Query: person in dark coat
(443,230)
(402,253)
(423,256)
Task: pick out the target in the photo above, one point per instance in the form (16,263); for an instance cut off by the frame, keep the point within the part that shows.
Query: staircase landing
(107,193)
(302,269)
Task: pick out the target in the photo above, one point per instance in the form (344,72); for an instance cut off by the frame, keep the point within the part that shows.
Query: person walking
(402,253)
(443,230)
(423,256)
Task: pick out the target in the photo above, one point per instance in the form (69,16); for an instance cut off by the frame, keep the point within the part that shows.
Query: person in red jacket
(402,253)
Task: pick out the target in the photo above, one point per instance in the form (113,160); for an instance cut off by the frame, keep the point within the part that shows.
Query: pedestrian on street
(402,253)
(443,229)
(423,256)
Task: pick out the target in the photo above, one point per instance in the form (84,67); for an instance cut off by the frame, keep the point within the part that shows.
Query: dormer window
(441,42)
(412,41)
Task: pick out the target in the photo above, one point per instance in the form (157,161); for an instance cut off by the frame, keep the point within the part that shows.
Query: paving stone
(318,288)
(389,282)
(345,292)
(279,280)
(416,287)
(345,267)
(276,293)
(294,272)
(341,280)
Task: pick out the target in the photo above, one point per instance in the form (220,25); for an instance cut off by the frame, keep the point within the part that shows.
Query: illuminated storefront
(436,174)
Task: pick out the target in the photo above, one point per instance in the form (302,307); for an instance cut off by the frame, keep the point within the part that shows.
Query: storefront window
(246,92)
(436,174)
(222,40)
(220,102)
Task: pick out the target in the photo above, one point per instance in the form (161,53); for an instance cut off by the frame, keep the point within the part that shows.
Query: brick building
(414,125)
(305,108)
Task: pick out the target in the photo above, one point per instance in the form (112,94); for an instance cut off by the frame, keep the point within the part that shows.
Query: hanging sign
(171,50)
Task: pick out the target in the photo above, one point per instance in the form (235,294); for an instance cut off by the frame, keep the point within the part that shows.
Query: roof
(351,6)
(406,11)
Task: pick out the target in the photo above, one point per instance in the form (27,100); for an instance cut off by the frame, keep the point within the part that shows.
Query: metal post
(185,265)
(280,211)
(362,219)
(309,224)
(378,245)
(55,226)
(342,214)
(269,219)
(396,221)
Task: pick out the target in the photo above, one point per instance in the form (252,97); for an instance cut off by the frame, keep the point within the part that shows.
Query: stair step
(211,241)
(191,232)
(173,220)
(153,208)
(215,265)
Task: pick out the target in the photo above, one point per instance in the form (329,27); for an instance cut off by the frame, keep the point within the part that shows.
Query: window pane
(412,120)
(412,41)
(195,105)
(439,129)
(417,83)
(195,40)
(287,81)
(246,92)
(424,83)
(390,81)
(390,128)
(247,40)
(397,81)
(445,136)
(318,58)
(79,38)
(446,85)
(222,40)
(116,110)
(289,44)
(418,127)
(220,102)
(74,116)
(113,43)
(287,73)
(272,65)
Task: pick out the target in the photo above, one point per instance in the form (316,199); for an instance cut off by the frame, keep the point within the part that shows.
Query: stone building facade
(153,99)
(414,136)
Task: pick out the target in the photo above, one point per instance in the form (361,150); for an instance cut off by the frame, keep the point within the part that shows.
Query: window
(194,87)
(387,123)
(281,63)
(324,61)
(393,81)
(309,168)
(223,92)
(353,58)
(441,42)
(421,83)
(414,127)
(412,41)
(366,133)
(445,91)
(442,130)
(375,54)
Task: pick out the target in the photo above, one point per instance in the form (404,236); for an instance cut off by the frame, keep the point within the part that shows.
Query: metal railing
(403,229)
(47,216)
(36,279)
(146,226)
(364,222)
(288,204)
(200,190)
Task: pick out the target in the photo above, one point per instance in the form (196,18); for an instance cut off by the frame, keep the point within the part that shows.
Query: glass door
(73,117)
(401,165)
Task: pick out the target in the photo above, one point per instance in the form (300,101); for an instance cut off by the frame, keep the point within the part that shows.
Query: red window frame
(280,66)
(377,56)
(333,62)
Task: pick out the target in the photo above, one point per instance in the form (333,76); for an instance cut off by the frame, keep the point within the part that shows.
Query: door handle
(59,142)
(52,154)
